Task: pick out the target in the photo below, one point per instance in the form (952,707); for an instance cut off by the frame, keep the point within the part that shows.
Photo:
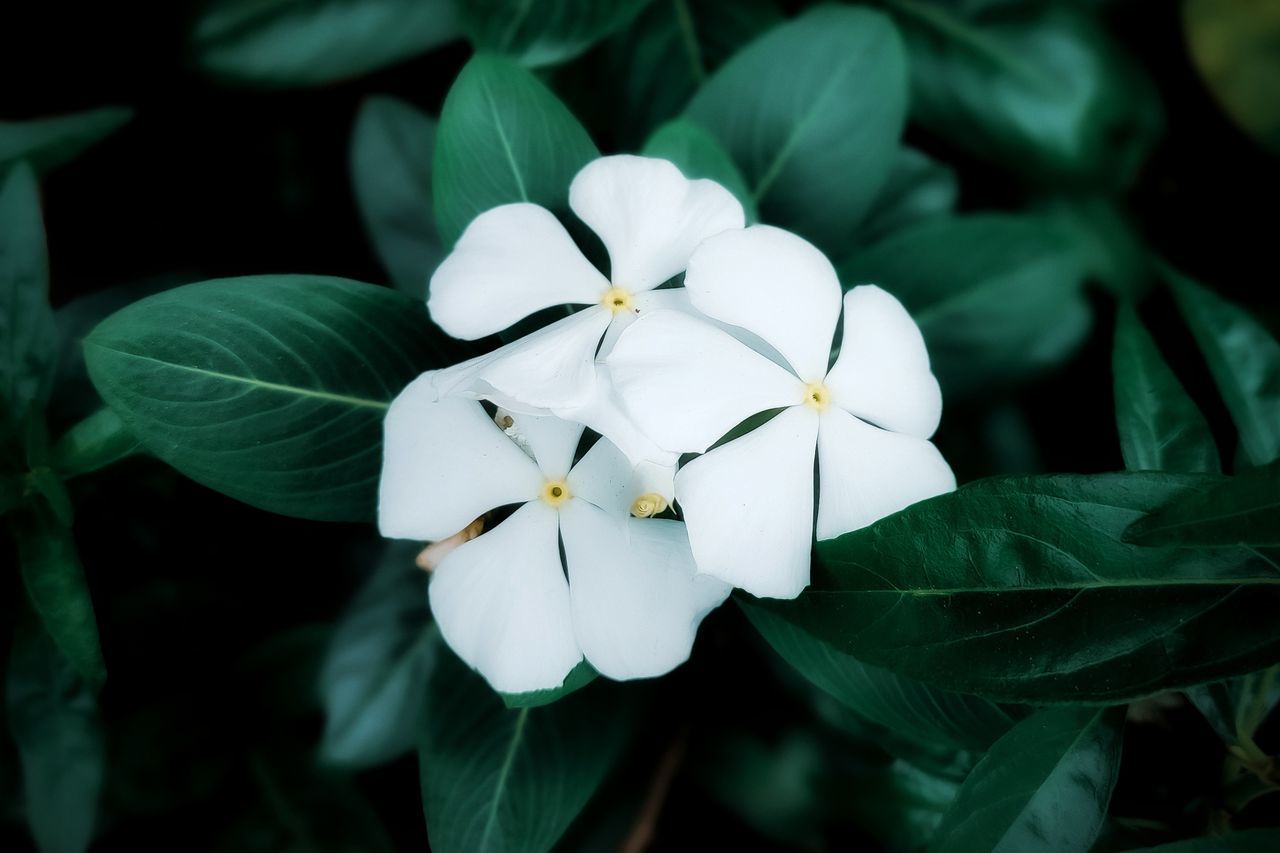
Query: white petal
(444,464)
(686,383)
(774,284)
(748,505)
(502,603)
(637,600)
(605,477)
(882,374)
(866,473)
(511,261)
(605,414)
(552,441)
(649,216)
(551,368)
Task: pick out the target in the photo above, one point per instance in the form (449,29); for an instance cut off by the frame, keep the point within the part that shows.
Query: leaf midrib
(504,773)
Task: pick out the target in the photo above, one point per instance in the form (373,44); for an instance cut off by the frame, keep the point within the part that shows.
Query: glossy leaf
(497,779)
(56,587)
(503,138)
(919,188)
(291,43)
(1041,89)
(1160,427)
(270,389)
(812,112)
(96,442)
(909,708)
(391,151)
(374,678)
(580,676)
(54,720)
(48,143)
(1044,786)
(1245,362)
(1244,509)
(699,155)
(547,32)
(1020,589)
(998,297)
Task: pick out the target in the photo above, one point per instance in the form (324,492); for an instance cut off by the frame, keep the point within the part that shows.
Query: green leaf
(280,43)
(497,779)
(96,442)
(391,151)
(1020,589)
(1044,786)
(1245,362)
(1039,88)
(909,708)
(1244,841)
(580,676)
(998,296)
(919,188)
(48,143)
(57,590)
(374,678)
(1113,252)
(270,389)
(699,155)
(28,358)
(54,720)
(546,32)
(1242,510)
(1160,427)
(503,138)
(812,112)
(1237,707)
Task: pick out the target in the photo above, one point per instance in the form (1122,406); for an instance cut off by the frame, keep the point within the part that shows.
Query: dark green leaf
(29,355)
(997,296)
(48,143)
(497,779)
(580,676)
(902,805)
(1245,362)
(812,112)
(919,188)
(1244,841)
(909,708)
(56,588)
(391,152)
(1112,250)
(270,389)
(699,155)
(1160,427)
(1243,510)
(54,720)
(95,442)
(309,42)
(546,32)
(503,138)
(1020,589)
(1044,786)
(1237,707)
(1038,88)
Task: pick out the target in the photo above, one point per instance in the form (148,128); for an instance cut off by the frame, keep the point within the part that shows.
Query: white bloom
(632,600)
(749,502)
(516,259)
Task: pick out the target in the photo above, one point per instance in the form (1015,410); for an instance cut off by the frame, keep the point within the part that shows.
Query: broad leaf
(1241,510)
(498,779)
(1044,786)
(374,679)
(503,138)
(546,32)
(1160,427)
(998,296)
(270,389)
(391,151)
(1020,589)
(699,155)
(580,676)
(95,442)
(812,112)
(1244,841)
(903,705)
(309,42)
(1245,362)
(50,142)
(918,188)
(55,724)
(1042,89)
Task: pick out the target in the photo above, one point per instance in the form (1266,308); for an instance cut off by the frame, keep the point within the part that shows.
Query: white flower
(632,600)
(748,503)
(516,259)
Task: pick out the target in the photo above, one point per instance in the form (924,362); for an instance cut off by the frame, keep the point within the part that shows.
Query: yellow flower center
(616,299)
(817,396)
(555,492)
(648,505)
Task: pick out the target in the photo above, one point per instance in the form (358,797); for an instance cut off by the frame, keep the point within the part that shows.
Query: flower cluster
(734,365)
